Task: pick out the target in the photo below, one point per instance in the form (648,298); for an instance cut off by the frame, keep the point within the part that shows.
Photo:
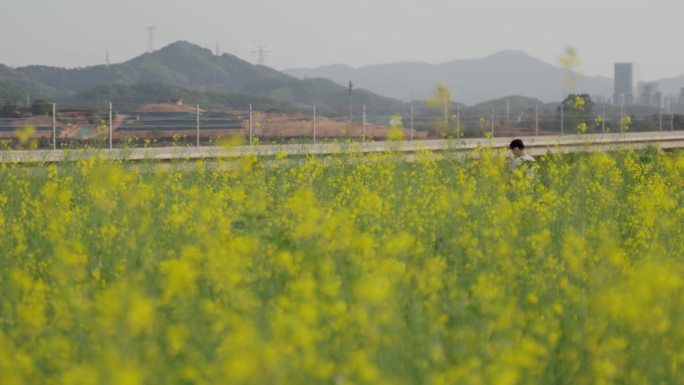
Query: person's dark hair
(517,143)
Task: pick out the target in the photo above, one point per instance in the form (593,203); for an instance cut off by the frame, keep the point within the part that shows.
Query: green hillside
(138,94)
(189,72)
(15,85)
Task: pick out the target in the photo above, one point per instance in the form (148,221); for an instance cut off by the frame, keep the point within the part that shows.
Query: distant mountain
(191,68)
(15,85)
(472,81)
(672,86)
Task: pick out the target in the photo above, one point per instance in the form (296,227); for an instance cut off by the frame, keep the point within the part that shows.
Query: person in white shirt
(519,154)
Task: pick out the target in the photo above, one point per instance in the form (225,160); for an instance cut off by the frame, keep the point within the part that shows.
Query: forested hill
(185,70)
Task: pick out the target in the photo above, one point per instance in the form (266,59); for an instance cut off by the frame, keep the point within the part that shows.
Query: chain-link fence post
(251,134)
(197,125)
(411,122)
(54,127)
(110,126)
(363,127)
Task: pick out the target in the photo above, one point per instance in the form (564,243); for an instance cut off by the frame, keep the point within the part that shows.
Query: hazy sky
(310,33)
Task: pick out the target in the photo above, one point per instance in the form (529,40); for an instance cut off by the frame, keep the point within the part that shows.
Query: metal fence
(167,124)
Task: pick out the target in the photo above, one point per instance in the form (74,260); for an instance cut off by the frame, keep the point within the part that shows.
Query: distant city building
(648,94)
(678,103)
(601,99)
(668,102)
(672,103)
(625,83)
(658,100)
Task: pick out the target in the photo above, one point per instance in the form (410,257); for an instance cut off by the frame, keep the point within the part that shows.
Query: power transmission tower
(150,38)
(261,53)
(108,62)
(218,50)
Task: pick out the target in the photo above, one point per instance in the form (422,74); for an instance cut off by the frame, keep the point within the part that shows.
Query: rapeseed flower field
(345,269)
